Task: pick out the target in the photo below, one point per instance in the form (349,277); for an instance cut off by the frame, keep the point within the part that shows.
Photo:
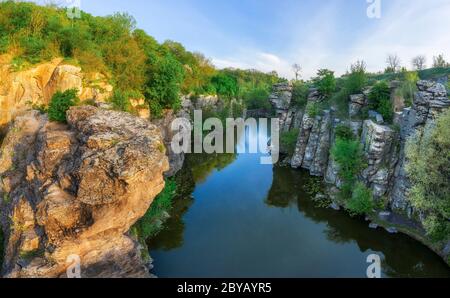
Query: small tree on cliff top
(325,82)
(60,103)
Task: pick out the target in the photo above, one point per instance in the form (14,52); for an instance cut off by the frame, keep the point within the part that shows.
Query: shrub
(348,154)
(349,157)
(361,201)
(429,171)
(325,82)
(313,109)
(120,101)
(300,94)
(380,100)
(257,99)
(288,140)
(344,132)
(60,103)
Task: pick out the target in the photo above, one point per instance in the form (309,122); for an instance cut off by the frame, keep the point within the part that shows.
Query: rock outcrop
(75,190)
(36,86)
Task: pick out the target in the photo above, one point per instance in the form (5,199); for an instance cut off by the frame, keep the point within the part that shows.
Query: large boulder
(75,190)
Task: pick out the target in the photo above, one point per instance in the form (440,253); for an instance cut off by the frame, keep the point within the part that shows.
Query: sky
(274,34)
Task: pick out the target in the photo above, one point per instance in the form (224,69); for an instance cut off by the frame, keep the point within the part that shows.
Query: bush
(257,99)
(313,109)
(300,94)
(380,100)
(151,223)
(288,140)
(429,171)
(348,155)
(344,132)
(120,101)
(361,201)
(60,103)
(325,82)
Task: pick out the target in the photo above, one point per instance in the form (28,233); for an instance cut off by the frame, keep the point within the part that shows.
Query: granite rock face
(35,86)
(76,189)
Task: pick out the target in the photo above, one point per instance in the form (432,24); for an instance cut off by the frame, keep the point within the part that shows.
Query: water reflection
(403,256)
(253,220)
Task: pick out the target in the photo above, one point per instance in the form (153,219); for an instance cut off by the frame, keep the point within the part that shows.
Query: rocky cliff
(19,90)
(383,146)
(76,189)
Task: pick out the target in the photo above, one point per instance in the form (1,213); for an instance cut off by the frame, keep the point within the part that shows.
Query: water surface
(251,220)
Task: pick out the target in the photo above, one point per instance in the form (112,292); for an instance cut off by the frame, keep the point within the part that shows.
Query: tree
(428,168)
(357,79)
(325,82)
(164,86)
(226,85)
(297,70)
(393,63)
(380,100)
(358,66)
(439,61)
(419,62)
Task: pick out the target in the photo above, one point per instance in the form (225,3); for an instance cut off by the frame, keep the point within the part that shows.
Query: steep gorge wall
(383,145)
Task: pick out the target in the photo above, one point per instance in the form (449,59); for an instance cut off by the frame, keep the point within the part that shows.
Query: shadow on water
(237,218)
(403,256)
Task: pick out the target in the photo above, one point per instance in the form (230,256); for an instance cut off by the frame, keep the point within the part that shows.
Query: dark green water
(251,220)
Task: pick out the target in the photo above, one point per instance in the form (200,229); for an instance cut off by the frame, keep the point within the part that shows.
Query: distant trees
(419,62)
(134,62)
(393,63)
(439,61)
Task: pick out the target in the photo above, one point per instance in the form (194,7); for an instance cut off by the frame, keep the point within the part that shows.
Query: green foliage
(348,155)
(408,87)
(313,109)
(344,132)
(429,171)
(288,140)
(380,100)
(60,103)
(357,79)
(120,101)
(325,82)
(151,223)
(131,59)
(257,99)
(361,201)
(165,84)
(300,94)
(225,84)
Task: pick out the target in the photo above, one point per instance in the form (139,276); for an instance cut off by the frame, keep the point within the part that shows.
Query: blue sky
(274,34)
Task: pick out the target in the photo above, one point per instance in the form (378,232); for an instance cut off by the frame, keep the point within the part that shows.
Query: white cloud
(407,28)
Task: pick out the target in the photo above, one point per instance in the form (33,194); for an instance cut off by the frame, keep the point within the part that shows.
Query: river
(245,219)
